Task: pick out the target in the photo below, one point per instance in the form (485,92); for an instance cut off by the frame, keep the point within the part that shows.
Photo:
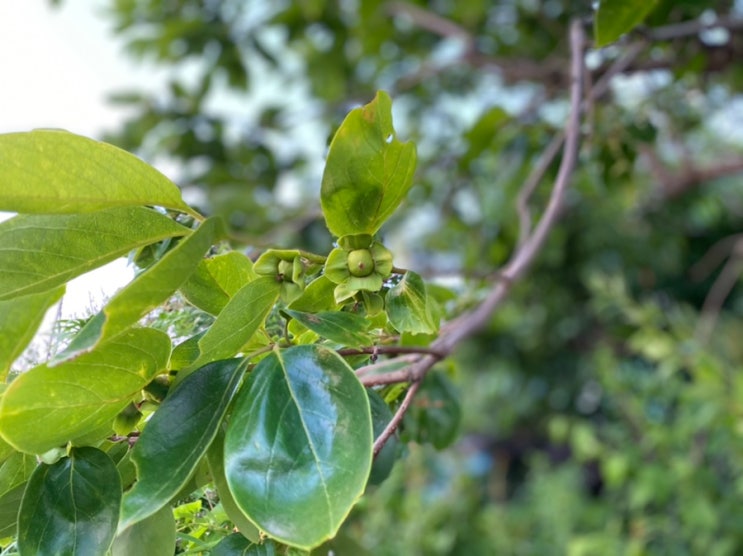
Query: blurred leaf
(71,507)
(153,536)
(298,445)
(435,413)
(368,171)
(617,17)
(47,171)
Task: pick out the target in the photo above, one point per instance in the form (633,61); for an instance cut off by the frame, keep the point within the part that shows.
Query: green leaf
(177,436)
(215,457)
(71,507)
(408,306)
(10,503)
(58,172)
(435,414)
(368,171)
(20,317)
(237,545)
(153,536)
(41,252)
(317,296)
(298,448)
(146,291)
(346,329)
(15,471)
(238,321)
(617,17)
(47,407)
(385,460)
(216,280)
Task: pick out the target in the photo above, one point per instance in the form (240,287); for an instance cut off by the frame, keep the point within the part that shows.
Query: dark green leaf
(435,413)
(20,317)
(10,503)
(47,407)
(153,536)
(385,460)
(298,445)
(346,329)
(237,545)
(368,171)
(177,436)
(48,171)
(617,17)
(71,507)
(41,252)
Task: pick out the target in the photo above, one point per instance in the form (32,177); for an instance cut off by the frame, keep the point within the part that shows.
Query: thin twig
(390,350)
(714,256)
(391,427)
(691,28)
(719,292)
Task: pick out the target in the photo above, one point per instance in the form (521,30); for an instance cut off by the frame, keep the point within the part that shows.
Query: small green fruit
(360,263)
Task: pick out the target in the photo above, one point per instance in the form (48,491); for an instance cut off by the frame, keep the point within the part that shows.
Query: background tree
(601,400)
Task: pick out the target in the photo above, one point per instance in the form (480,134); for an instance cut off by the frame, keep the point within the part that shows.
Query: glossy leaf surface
(408,307)
(146,291)
(47,407)
(153,536)
(617,17)
(177,436)
(346,329)
(41,252)
(368,170)
(71,507)
(49,171)
(20,317)
(238,321)
(216,280)
(298,445)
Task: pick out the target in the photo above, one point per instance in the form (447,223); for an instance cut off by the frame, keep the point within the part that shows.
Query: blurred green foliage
(601,408)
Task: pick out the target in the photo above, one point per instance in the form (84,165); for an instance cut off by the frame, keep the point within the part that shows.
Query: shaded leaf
(617,17)
(408,306)
(368,170)
(41,252)
(385,460)
(237,545)
(216,280)
(435,414)
(47,407)
(20,317)
(71,507)
(177,436)
(346,329)
(15,471)
(298,445)
(49,171)
(10,503)
(153,536)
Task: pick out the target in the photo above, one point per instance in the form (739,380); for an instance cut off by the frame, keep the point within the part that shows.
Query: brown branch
(690,28)
(391,427)
(389,350)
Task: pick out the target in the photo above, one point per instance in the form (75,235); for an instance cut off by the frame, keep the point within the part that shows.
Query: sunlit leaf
(408,306)
(15,471)
(71,507)
(20,317)
(368,171)
(41,252)
(347,329)
(47,407)
(216,280)
(50,171)
(298,445)
(177,436)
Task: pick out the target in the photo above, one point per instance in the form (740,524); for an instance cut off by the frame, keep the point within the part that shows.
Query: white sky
(57,66)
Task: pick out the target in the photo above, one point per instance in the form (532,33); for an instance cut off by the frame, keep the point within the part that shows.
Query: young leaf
(70,507)
(617,17)
(298,445)
(216,280)
(368,171)
(409,308)
(146,291)
(48,171)
(176,437)
(19,319)
(238,321)
(41,252)
(47,407)
(154,536)
(346,329)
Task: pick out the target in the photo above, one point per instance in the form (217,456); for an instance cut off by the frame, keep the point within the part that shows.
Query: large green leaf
(10,503)
(216,280)
(408,306)
(617,17)
(40,252)
(15,471)
(153,536)
(177,436)
(47,407)
(50,171)
(347,329)
(298,448)
(71,507)
(239,320)
(237,545)
(147,291)
(20,317)
(368,171)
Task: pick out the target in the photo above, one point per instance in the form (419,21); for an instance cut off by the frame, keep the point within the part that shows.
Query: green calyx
(358,264)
